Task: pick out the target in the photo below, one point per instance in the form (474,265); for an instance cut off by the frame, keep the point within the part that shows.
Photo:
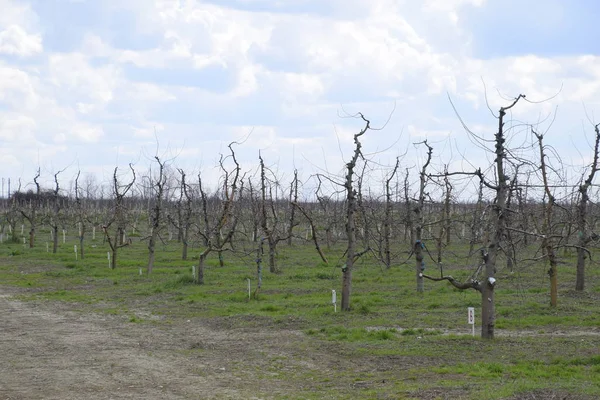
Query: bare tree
(494,245)
(81,215)
(205,211)
(419,246)
(255,210)
(328,215)
(488,309)
(351,253)
(447,201)
(118,216)
(226,218)
(408,222)
(384,247)
(293,201)
(313,231)
(12,215)
(269,218)
(184,215)
(158,186)
(29,210)
(584,237)
(259,255)
(54,220)
(548,236)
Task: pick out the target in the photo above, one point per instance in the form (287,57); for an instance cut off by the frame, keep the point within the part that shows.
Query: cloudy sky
(94,84)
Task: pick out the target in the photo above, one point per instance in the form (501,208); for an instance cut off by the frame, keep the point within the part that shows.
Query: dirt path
(54,350)
(51,353)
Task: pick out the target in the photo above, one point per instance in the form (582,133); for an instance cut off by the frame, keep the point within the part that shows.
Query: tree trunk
(419,262)
(272,260)
(293,200)
(55,239)
(488,316)
(582,216)
(387,222)
(447,220)
(113,260)
(418,244)
(151,249)
(81,241)
(350,220)
(184,249)
(581,256)
(488,307)
(199,278)
(31,236)
(553,272)
(259,255)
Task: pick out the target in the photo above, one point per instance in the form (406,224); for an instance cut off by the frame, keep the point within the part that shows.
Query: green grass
(427,333)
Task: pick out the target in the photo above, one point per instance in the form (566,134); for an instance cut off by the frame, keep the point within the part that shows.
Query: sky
(92,85)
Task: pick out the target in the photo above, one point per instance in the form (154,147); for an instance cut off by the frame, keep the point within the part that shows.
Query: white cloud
(16,128)
(224,70)
(17,88)
(73,73)
(15,41)
(86,132)
(16,12)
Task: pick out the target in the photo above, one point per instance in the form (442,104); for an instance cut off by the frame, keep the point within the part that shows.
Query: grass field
(394,343)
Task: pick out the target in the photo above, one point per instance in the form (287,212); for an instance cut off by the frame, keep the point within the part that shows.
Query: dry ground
(53,350)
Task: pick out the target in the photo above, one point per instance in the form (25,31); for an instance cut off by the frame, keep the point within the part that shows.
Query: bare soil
(56,350)
(51,350)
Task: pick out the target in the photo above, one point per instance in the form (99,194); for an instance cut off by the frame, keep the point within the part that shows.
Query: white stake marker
(108,255)
(471,318)
(334,300)
(248,288)
(75,250)
(64,237)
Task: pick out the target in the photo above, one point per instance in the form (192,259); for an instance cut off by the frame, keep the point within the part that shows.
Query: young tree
(547,231)
(225,219)
(293,201)
(351,254)
(583,234)
(408,222)
(493,247)
(54,220)
(29,209)
(447,201)
(418,210)
(158,186)
(184,215)
(118,216)
(384,253)
(269,219)
(329,214)
(313,232)
(81,215)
